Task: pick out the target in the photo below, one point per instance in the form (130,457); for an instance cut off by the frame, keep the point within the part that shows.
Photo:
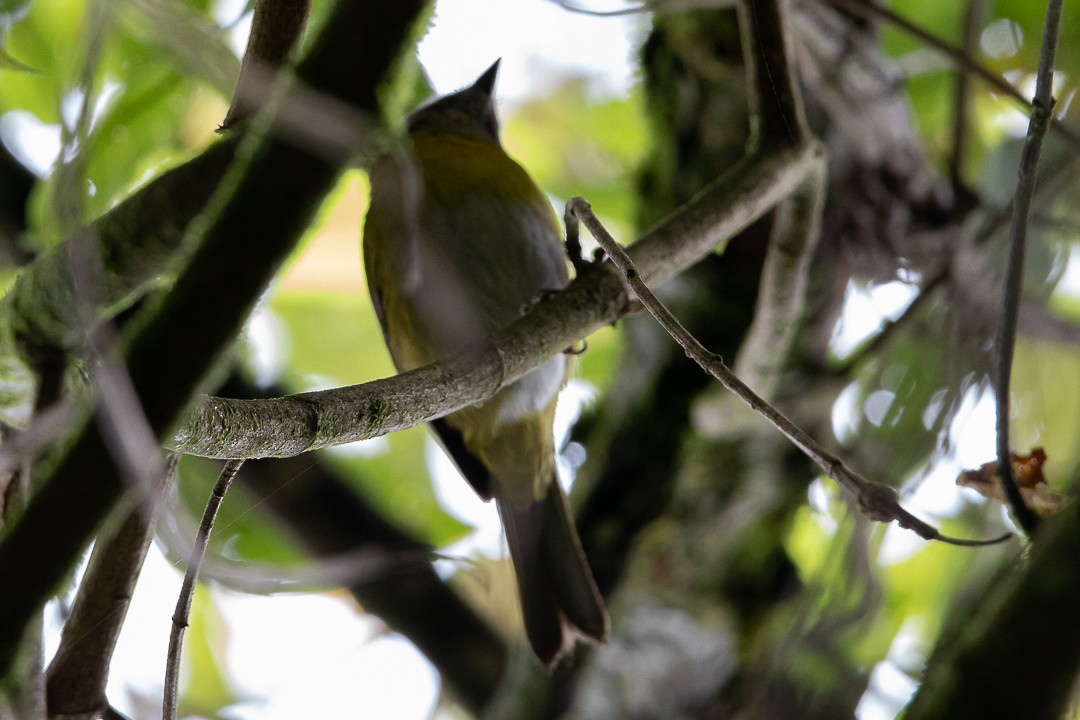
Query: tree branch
(182,614)
(778,97)
(79,670)
(1041,114)
(256,221)
(868,9)
(224,428)
(275,30)
(784,278)
(878,502)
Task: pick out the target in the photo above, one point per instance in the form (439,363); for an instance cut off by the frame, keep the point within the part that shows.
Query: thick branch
(784,278)
(222,428)
(80,668)
(136,240)
(781,112)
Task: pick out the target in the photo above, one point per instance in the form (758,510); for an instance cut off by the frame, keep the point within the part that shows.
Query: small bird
(458,240)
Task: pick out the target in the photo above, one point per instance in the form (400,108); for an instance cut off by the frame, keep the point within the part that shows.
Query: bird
(457,240)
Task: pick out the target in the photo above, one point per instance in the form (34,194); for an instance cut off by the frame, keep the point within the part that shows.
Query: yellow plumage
(458,241)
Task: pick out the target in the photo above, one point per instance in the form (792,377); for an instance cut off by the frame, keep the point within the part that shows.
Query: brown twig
(187,591)
(868,9)
(878,502)
(889,327)
(1041,114)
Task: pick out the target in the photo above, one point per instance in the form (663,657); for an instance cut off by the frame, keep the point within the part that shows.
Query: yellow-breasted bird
(458,239)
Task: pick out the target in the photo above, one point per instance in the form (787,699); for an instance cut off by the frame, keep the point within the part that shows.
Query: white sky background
(298,650)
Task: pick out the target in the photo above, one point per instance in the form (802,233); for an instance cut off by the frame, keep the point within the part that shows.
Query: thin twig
(1041,112)
(868,9)
(889,327)
(879,502)
(187,590)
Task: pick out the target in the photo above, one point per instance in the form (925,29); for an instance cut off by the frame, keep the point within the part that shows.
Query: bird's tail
(560,602)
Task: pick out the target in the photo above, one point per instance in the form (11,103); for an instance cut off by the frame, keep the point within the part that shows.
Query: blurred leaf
(195,45)
(8,62)
(11,12)
(1045,411)
(135,137)
(943,19)
(896,396)
(1009,45)
(1030,18)
(44,41)
(573,144)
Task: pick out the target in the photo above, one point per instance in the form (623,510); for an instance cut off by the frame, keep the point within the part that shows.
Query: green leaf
(573,144)
(8,62)
(193,44)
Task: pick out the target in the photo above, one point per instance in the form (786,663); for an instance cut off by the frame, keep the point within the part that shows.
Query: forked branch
(879,502)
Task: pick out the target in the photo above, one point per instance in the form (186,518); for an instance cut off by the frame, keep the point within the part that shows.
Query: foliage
(741,541)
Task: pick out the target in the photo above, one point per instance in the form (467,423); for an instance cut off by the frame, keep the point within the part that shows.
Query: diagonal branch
(223,428)
(80,668)
(879,502)
(867,9)
(275,31)
(255,222)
